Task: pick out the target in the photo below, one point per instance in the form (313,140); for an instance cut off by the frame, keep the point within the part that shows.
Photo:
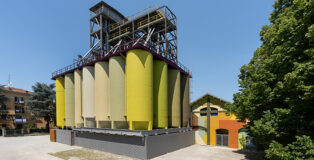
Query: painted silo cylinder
(60,102)
(174,105)
(139,89)
(160,94)
(69,100)
(102,110)
(117,93)
(78,98)
(185,100)
(88,96)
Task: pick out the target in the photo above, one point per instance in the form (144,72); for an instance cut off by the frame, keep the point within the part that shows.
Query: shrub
(302,148)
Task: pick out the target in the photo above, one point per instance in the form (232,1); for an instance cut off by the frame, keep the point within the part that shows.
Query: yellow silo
(139,89)
(160,94)
(60,102)
(69,100)
(185,99)
(102,110)
(117,93)
(88,96)
(174,111)
(78,98)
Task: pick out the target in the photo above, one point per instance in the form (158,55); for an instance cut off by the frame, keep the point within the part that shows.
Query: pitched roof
(17,90)
(207,95)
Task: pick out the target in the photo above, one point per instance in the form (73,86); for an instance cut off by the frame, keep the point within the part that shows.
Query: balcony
(19,111)
(4,111)
(19,102)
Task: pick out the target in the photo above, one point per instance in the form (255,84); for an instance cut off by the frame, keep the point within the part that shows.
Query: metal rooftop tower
(102,15)
(154,29)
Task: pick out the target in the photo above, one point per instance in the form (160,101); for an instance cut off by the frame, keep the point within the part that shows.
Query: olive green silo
(160,94)
(174,98)
(185,100)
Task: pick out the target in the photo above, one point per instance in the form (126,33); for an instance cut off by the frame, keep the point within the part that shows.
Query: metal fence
(20,132)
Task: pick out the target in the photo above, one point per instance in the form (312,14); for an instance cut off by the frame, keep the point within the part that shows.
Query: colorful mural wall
(220,121)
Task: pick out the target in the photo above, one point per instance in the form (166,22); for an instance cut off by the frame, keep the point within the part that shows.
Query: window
(221,131)
(19,100)
(19,109)
(3,107)
(204,110)
(214,110)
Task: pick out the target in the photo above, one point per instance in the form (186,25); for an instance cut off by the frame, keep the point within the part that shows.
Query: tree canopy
(42,101)
(3,98)
(277,86)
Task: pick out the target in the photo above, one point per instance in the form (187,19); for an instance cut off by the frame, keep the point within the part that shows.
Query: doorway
(222,138)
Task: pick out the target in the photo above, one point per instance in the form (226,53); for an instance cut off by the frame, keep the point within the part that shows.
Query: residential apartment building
(13,114)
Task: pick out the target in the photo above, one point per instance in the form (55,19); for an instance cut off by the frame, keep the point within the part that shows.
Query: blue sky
(215,38)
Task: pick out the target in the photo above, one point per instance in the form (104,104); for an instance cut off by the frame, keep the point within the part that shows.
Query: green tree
(41,103)
(277,86)
(3,98)
(302,148)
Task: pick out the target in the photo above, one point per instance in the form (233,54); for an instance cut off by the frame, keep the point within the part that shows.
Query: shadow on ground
(88,154)
(251,154)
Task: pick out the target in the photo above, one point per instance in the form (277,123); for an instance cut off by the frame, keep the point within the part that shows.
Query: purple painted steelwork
(126,47)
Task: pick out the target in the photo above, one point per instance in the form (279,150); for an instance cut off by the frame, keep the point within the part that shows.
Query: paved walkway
(38,147)
(204,152)
(30,148)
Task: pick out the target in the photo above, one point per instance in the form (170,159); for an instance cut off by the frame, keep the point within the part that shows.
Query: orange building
(223,129)
(13,114)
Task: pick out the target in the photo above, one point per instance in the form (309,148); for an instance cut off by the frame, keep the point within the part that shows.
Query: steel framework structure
(154,29)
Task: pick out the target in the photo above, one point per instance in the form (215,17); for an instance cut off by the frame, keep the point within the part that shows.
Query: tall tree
(3,98)
(277,86)
(42,102)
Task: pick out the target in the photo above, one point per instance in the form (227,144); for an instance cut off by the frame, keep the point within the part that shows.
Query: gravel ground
(40,148)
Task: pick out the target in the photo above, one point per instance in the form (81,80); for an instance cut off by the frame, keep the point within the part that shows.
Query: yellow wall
(214,124)
(60,102)
(139,89)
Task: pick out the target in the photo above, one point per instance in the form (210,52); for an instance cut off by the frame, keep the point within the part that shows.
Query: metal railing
(119,48)
(108,12)
(116,34)
(132,17)
(152,19)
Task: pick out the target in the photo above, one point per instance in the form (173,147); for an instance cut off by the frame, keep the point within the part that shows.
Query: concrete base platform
(137,144)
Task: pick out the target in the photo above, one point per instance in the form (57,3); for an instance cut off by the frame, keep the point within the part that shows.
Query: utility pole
(9,81)
(208,121)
